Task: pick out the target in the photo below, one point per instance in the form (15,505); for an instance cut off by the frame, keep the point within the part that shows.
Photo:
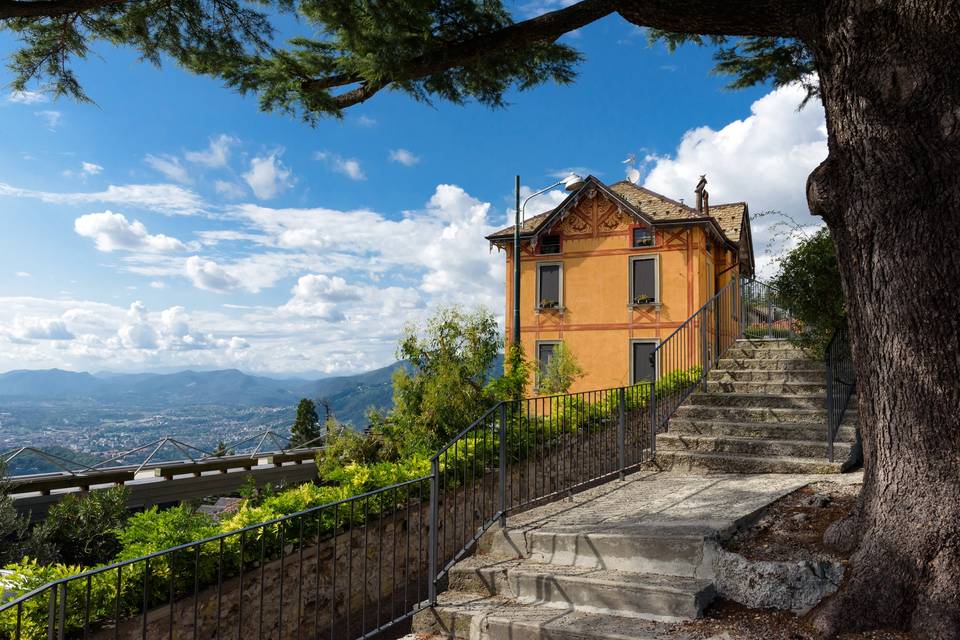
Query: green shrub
(84,528)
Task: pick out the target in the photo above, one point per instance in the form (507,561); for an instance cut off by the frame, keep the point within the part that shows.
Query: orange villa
(615,269)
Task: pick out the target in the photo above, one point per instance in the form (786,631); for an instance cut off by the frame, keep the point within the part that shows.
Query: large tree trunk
(890,193)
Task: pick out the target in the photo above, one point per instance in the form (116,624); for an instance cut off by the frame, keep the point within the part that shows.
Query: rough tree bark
(890,193)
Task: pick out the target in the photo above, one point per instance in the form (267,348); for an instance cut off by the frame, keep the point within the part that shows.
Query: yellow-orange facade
(611,280)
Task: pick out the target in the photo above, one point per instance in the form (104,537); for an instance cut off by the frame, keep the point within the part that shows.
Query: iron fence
(841,382)
(522,453)
(765,313)
(685,357)
(306,575)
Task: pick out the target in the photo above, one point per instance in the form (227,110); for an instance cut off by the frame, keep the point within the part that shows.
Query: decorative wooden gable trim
(611,219)
(675,239)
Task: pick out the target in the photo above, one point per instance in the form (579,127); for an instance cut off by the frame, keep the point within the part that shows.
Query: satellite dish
(633,175)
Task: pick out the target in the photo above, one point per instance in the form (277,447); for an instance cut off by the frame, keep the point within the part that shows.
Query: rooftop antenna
(633,174)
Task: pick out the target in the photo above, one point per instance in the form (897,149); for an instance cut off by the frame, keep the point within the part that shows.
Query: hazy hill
(350,396)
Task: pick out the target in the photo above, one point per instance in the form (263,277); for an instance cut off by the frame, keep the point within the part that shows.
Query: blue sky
(173,225)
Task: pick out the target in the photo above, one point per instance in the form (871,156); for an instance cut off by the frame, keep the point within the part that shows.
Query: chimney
(701,193)
(706,203)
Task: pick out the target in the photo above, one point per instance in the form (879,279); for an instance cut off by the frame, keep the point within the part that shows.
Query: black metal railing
(765,313)
(527,452)
(685,357)
(312,574)
(841,382)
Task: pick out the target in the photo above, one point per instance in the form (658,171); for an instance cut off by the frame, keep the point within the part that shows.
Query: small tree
(306,427)
(221,450)
(450,358)
(560,372)
(808,283)
(512,385)
(84,529)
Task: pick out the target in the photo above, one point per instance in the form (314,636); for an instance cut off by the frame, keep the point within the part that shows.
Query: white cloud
(216,155)
(27,97)
(230,190)
(158,284)
(50,117)
(763,159)
(349,167)
(366,121)
(404,157)
(168,199)
(90,168)
(41,329)
(22,274)
(268,177)
(169,166)
(112,231)
(317,295)
(208,275)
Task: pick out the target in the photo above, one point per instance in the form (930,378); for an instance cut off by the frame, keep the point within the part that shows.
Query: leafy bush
(84,528)
(560,371)
(808,283)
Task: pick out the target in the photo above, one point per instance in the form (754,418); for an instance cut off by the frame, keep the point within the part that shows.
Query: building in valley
(615,269)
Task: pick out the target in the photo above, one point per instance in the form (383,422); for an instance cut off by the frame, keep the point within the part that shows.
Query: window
(644,280)
(549,285)
(544,355)
(643,237)
(550,245)
(642,369)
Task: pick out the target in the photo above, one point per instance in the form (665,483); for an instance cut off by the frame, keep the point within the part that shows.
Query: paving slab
(666,503)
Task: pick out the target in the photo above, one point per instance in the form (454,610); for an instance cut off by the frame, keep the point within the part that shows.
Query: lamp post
(571,183)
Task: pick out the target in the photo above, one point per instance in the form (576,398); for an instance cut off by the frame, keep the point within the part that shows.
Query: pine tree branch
(543,28)
(50,8)
(785,18)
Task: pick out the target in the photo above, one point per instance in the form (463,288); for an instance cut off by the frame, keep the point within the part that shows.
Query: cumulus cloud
(22,274)
(210,276)
(169,166)
(267,177)
(216,154)
(317,295)
(168,199)
(112,232)
(349,167)
(41,329)
(404,157)
(27,97)
(763,159)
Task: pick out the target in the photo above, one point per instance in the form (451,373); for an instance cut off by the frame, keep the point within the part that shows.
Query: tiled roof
(653,204)
(730,218)
(528,225)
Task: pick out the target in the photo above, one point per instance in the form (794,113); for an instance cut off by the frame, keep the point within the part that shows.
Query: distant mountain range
(349,396)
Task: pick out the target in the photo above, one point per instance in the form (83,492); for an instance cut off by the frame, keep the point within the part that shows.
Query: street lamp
(571,183)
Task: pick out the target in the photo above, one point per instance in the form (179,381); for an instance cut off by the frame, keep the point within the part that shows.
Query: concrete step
(603,591)
(759,430)
(696,461)
(759,400)
(768,364)
(755,414)
(766,353)
(467,617)
(682,551)
(814,376)
(765,343)
(789,388)
(752,446)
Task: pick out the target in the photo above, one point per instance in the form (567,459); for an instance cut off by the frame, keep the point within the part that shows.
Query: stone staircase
(623,560)
(763,411)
